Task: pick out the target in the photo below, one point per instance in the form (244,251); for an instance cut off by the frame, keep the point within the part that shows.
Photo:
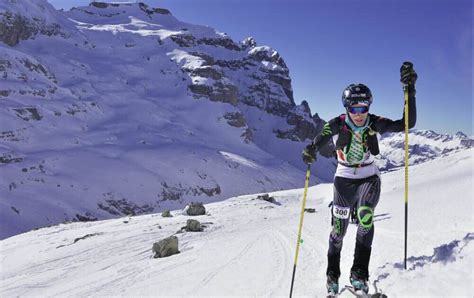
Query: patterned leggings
(358,196)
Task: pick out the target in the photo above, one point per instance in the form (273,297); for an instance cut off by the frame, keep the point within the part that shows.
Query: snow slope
(248,246)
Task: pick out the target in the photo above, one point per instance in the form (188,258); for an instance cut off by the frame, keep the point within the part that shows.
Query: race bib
(341,212)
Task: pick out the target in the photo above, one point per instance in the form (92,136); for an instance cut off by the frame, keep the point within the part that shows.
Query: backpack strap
(344,135)
(343,125)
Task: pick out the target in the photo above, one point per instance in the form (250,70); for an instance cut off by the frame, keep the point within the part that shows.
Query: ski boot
(332,285)
(359,280)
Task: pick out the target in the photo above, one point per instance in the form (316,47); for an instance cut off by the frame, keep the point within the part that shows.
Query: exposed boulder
(166,247)
(195,208)
(166,213)
(193,225)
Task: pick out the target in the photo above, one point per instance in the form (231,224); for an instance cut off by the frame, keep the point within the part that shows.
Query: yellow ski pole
(306,184)
(405,89)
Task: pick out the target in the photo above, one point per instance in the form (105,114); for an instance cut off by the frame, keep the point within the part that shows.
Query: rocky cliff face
(14,28)
(242,73)
(26,19)
(254,76)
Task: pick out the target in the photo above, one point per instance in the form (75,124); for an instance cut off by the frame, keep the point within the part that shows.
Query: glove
(309,154)
(408,75)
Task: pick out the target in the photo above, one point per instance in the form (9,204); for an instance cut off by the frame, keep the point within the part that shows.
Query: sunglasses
(358,110)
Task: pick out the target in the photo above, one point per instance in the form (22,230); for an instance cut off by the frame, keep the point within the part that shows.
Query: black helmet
(356,93)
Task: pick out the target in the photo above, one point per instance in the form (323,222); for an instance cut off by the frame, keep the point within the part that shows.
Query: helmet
(356,93)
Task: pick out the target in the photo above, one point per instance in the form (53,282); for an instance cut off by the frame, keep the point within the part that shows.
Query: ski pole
(405,89)
(306,183)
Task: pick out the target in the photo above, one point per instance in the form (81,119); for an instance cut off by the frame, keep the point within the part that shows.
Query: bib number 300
(341,212)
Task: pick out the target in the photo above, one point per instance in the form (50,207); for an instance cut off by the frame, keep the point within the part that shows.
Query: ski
(336,295)
(356,293)
(360,294)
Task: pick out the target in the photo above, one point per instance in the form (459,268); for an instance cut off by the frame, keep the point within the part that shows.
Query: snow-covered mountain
(423,145)
(247,247)
(115,109)
(122,109)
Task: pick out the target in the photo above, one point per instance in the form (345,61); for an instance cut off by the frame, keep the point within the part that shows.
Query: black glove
(408,75)
(309,154)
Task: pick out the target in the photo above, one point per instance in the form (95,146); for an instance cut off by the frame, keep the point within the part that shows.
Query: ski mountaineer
(357,178)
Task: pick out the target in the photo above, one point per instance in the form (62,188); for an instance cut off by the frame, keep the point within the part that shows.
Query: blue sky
(328,44)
